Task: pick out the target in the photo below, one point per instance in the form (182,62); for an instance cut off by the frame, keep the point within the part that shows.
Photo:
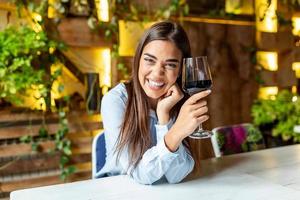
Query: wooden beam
(79,146)
(76,32)
(7,116)
(19,131)
(42,181)
(218,21)
(71,67)
(40,162)
(7,5)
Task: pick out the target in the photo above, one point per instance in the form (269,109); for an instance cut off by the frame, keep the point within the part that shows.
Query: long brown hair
(135,129)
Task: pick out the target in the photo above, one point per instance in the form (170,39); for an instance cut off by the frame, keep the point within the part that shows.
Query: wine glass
(196,77)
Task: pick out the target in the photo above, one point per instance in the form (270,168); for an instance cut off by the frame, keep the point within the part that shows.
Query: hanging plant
(25,59)
(20,49)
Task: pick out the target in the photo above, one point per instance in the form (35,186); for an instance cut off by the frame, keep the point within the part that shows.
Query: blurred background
(59,57)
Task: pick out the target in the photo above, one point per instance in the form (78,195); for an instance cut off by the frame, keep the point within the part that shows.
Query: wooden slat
(80,167)
(83,134)
(9,116)
(79,145)
(75,32)
(4,195)
(205,19)
(19,166)
(23,149)
(42,181)
(7,5)
(41,163)
(81,142)
(19,131)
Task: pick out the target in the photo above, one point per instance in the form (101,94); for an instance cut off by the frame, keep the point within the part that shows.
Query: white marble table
(260,175)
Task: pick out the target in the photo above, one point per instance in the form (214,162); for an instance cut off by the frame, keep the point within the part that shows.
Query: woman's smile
(155,85)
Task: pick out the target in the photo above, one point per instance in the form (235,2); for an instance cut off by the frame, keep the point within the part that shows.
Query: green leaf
(108,33)
(186,9)
(43,133)
(71,169)
(34,146)
(64,160)
(26,139)
(60,88)
(67,150)
(62,114)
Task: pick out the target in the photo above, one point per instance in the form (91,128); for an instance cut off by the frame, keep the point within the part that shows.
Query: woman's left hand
(167,102)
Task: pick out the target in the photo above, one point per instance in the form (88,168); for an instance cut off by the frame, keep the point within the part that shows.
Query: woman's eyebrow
(168,60)
(172,60)
(147,54)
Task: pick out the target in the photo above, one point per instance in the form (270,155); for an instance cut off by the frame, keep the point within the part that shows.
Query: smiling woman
(147,119)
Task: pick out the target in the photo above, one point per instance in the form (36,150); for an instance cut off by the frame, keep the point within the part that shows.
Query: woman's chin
(154,96)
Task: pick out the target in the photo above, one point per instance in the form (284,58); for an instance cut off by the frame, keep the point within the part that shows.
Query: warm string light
(105,70)
(239,7)
(296,68)
(266,18)
(268,93)
(268,60)
(102,10)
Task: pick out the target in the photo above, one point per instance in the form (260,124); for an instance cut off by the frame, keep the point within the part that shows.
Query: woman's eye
(149,60)
(171,65)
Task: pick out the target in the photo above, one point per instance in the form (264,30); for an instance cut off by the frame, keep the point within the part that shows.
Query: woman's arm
(183,164)
(192,113)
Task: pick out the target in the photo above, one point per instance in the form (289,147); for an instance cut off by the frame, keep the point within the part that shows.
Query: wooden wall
(234,85)
(20,167)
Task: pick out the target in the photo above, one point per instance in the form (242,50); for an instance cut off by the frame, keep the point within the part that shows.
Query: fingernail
(208,91)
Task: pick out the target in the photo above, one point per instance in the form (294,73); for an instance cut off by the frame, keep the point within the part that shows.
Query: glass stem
(200,129)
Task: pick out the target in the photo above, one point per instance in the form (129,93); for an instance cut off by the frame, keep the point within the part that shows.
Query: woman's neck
(153,103)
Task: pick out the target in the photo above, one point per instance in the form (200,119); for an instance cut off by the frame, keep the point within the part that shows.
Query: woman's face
(159,68)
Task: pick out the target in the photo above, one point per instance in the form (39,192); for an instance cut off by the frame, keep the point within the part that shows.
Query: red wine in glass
(196,77)
(193,87)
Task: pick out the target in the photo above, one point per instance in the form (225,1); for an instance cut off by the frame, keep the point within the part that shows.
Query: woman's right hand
(192,113)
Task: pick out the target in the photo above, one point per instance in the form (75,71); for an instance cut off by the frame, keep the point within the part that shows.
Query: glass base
(201,134)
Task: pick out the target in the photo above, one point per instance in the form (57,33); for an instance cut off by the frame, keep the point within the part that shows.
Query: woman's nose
(158,69)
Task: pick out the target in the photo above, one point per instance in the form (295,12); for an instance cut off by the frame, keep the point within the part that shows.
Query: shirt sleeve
(182,164)
(156,161)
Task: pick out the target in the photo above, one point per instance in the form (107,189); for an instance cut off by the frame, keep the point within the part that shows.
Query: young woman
(147,119)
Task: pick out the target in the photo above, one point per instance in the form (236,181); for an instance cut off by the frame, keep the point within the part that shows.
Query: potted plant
(277,118)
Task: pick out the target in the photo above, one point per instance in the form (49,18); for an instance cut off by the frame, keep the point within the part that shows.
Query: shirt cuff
(161,130)
(164,153)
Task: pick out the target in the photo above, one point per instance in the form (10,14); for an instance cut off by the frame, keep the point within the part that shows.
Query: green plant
(282,113)
(19,49)
(25,60)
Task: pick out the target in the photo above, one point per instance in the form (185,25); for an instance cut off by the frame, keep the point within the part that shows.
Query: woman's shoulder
(117,92)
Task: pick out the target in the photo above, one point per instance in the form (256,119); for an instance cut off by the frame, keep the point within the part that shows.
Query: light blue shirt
(157,162)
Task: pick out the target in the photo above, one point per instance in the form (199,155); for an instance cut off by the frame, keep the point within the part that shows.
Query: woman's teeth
(155,84)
